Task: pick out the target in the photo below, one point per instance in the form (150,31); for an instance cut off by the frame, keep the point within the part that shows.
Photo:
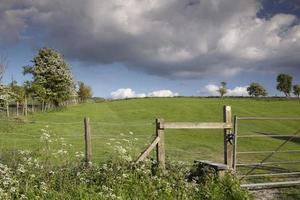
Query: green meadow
(130,123)
(115,122)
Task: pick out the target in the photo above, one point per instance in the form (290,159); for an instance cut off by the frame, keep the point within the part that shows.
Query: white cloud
(238,91)
(123,93)
(162,93)
(212,90)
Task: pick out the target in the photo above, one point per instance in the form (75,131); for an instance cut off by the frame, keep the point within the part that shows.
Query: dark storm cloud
(175,39)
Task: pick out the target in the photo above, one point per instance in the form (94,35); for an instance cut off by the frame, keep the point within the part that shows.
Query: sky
(138,48)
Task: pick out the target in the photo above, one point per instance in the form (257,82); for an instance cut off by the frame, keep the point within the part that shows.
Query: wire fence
(17,134)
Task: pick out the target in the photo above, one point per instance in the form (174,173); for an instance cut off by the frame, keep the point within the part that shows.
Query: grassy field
(114,123)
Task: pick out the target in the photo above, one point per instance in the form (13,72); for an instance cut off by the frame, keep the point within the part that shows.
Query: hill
(117,121)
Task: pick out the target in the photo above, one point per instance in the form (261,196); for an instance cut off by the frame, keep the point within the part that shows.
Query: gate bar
(269,118)
(268,163)
(251,136)
(263,152)
(272,174)
(258,186)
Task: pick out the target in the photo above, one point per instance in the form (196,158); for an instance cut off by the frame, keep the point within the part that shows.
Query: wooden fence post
(26,107)
(227,119)
(7,109)
(160,148)
(87,139)
(17,108)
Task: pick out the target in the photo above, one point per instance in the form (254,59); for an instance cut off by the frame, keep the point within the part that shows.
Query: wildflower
(104,166)
(21,168)
(125,140)
(13,189)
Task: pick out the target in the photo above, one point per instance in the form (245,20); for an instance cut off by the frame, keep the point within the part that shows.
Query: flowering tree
(52,77)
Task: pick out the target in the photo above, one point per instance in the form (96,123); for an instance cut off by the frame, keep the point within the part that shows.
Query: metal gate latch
(230,137)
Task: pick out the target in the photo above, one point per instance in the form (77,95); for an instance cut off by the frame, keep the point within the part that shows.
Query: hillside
(110,119)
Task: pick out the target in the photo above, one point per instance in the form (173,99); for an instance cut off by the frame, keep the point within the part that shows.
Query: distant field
(110,119)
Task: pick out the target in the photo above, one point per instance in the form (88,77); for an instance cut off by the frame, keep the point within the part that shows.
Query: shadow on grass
(296,138)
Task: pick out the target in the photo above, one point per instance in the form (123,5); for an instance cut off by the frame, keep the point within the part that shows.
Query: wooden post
(17,107)
(32,106)
(7,109)
(234,143)
(87,139)
(160,148)
(26,108)
(227,119)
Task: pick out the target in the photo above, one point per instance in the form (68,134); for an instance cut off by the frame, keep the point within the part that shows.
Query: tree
(222,89)
(296,89)
(52,76)
(284,84)
(18,91)
(256,89)
(84,92)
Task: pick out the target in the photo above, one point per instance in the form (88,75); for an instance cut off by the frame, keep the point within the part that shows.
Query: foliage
(6,94)
(296,89)
(222,89)
(84,92)
(256,89)
(36,91)
(18,90)
(52,78)
(31,176)
(284,84)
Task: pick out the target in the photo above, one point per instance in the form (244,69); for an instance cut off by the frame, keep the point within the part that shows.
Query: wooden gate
(161,125)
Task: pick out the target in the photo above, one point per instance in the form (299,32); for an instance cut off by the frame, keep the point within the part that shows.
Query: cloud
(123,93)
(238,91)
(162,93)
(170,38)
(212,90)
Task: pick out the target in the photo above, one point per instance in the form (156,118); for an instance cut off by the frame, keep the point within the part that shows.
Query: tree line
(284,84)
(52,84)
